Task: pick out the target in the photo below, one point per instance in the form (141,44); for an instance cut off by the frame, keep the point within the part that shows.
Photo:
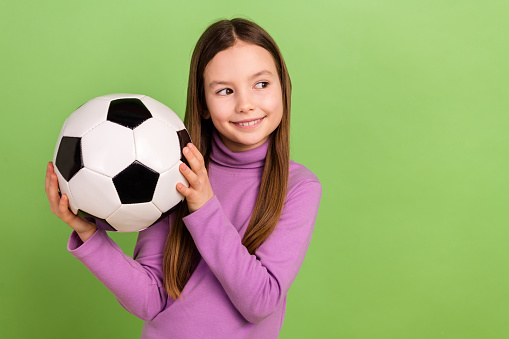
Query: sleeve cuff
(203,214)
(80,249)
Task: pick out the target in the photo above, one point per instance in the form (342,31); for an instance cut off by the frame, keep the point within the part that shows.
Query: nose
(245,102)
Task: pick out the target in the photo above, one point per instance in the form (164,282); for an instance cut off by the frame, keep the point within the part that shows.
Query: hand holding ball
(117,159)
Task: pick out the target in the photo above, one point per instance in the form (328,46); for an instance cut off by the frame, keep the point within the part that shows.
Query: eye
(225,91)
(261,84)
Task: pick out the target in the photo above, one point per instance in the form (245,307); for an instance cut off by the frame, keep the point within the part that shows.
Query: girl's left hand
(199,190)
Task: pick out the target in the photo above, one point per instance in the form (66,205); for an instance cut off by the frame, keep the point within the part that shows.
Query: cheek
(217,110)
(274,104)
(212,105)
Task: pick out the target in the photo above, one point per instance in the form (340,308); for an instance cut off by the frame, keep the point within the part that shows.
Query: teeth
(251,123)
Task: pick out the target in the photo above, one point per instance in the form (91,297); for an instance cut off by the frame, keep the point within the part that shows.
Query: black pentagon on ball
(69,160)
(102,224)
(136,184)
(184,139)
(128,112)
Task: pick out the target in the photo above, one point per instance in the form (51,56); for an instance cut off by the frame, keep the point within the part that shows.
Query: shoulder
(299,173)
(300,177)
(303,195)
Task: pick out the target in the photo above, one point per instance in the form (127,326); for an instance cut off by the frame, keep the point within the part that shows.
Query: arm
(136,283)
(256,284)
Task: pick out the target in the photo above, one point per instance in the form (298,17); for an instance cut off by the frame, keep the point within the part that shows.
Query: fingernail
(186,150)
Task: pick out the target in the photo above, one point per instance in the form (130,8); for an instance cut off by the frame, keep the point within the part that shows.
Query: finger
(191,176)
(196,165)
(46,182)
(196,152)
(185,191)
(49,171)
(53,196)
(63,204)
(63,208)
(66,214)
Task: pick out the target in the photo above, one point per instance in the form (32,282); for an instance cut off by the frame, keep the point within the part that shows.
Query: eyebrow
(263,72)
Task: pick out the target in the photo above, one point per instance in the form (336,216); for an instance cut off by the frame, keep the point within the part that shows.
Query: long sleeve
(136,283)
(256,284)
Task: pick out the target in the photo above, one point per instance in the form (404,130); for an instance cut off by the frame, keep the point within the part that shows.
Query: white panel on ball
(163,113)
(157,145)
(116,96)
(166,195)
(94,192)
(89,115)
(64,189)
(108,148)
(134,217)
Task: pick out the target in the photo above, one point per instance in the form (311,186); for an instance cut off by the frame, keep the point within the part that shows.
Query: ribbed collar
(221,155)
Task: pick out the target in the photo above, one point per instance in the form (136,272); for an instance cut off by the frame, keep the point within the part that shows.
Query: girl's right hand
(60,207)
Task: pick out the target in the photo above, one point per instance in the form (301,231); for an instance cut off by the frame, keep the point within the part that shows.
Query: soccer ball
(117,159)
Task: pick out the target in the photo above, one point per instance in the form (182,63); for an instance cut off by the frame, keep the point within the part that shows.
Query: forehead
(241,60)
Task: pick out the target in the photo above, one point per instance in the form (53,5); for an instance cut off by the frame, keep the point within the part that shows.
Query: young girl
(222,264)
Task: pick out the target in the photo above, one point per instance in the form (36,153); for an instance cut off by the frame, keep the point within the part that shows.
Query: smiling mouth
(248,123)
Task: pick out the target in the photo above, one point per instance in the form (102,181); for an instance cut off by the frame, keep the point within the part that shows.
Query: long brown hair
(181,255)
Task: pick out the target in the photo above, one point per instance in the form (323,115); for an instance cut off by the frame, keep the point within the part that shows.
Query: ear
(205,114)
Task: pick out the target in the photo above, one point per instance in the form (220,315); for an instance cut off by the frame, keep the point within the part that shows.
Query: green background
(400,108)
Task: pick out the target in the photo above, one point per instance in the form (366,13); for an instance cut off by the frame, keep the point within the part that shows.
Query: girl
(222,264)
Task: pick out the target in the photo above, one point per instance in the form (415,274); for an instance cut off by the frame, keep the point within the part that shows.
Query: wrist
(195,207)
(85,235)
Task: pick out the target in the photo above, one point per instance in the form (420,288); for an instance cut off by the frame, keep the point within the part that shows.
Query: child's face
(243,95)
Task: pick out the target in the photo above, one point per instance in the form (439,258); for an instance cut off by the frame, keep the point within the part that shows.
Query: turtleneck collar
(221,155)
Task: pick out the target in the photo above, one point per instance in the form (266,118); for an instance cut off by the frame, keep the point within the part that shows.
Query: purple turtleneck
(231,294)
